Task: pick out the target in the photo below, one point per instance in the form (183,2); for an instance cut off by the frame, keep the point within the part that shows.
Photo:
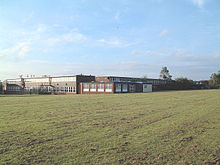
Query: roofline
(130,77)
(50,77)
(97,82)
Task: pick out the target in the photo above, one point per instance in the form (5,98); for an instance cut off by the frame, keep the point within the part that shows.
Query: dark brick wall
(82,78)
(138,87)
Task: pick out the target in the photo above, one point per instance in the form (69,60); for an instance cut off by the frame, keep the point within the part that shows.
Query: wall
(147,88)
(83,78)
(64,83)
(38,81)
(102,79)
(96,90)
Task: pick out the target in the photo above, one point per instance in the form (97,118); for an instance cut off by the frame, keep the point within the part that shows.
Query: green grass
(179,127)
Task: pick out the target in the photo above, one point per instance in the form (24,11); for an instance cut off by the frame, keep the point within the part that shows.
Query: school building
(79,84)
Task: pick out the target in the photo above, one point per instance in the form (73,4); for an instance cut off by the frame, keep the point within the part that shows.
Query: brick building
(155,82)
(114,87)
(46,85)
(77,84)
(130,79)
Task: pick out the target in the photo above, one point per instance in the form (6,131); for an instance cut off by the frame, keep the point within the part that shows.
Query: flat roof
(50,77)
(114,82)
(131,77)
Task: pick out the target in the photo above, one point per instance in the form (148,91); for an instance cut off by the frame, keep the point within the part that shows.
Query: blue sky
(113,37)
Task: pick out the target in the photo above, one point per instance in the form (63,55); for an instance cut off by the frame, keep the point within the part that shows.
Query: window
(93,87)
(101,87)
(86,86)
(131,88)
(118,87)
(13,88)
(125,87)
(108,86)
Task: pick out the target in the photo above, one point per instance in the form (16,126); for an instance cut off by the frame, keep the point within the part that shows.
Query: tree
(214,81)
(164,74)
(184,83)
(144,78)
(0,87)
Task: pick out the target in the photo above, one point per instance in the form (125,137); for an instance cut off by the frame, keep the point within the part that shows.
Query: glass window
(108,86)
(93,86)
(100,86)
(86,86)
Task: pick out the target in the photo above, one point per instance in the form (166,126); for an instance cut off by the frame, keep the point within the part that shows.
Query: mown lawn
(179,127)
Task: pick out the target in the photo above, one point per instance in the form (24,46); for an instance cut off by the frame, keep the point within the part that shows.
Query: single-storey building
(76,84)
(114,87)
(46,84)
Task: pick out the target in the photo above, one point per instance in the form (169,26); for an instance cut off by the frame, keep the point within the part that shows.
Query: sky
(133,38)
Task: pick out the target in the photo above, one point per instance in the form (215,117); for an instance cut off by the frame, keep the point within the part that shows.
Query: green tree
(0,87)
(164,74)
(144,78)
(214,81)
(184,83)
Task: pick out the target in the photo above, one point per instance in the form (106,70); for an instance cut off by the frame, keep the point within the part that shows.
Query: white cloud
(20,50)
(164,33)
(72,36)
(114,43)
(117,15)
(133,52)
(24,51)
(126,68)
(41,28)
(199,3)
(180,63)
(28,17)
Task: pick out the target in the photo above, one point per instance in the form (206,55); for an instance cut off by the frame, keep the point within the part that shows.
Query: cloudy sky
(112,37)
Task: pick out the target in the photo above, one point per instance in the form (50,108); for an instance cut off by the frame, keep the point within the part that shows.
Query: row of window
(50,89)
(65,89)
(124,79)
(39,88)
(117,79)
(13,88)
(100,86)
(47,79)
(124,87)
(156,82)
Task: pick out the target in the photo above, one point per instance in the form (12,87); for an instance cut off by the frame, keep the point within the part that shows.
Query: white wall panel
(147,88)
(36,80)
(63,79)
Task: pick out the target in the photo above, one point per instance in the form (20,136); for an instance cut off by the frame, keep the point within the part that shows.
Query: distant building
(79,84)
(154,82)
(1,87)
(129,79)
(202,84)
(47,85)
(114,87)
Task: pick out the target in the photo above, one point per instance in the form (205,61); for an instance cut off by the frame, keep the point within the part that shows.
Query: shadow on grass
(25,95)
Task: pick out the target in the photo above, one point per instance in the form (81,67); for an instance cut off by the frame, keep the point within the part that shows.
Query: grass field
(180,127)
